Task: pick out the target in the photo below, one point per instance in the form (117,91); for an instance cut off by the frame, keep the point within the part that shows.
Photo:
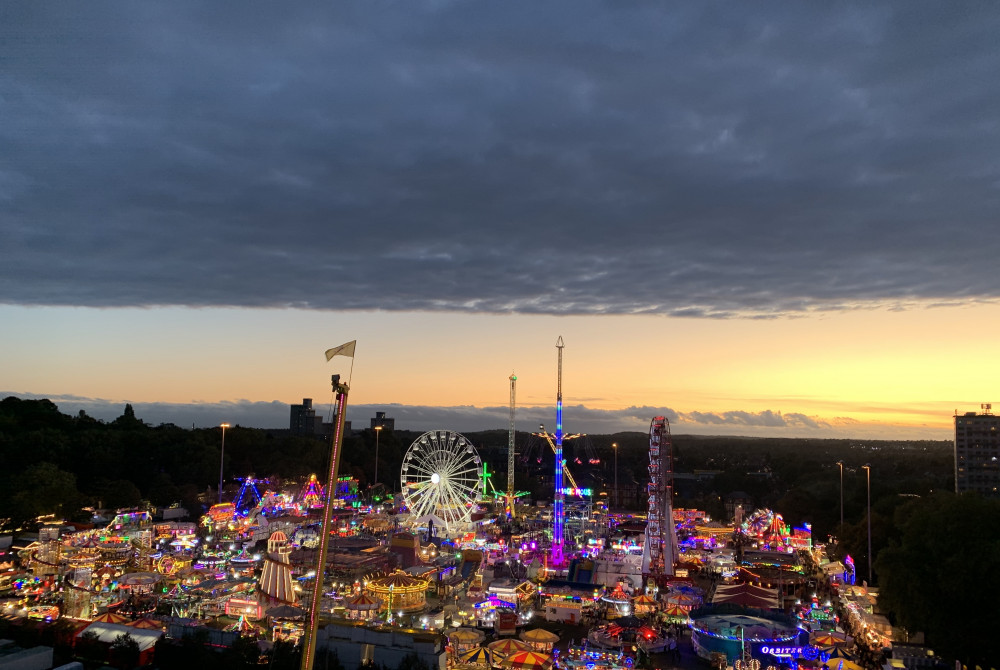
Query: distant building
(303,420)
(382,421)
(977,452)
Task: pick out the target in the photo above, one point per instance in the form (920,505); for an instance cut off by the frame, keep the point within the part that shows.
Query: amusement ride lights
(558,511)
(868,473)
(222,457)
(377,429)
(312,618)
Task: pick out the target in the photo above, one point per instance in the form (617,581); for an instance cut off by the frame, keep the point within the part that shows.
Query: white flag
(342,350)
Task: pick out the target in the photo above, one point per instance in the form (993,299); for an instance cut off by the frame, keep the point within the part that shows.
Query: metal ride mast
(559,500)
(660,550)
(510,450)
(312,617)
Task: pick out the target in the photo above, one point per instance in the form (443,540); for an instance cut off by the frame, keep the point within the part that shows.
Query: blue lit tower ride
(558,511)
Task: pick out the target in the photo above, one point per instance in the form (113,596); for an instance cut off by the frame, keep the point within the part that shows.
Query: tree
(125,652)
(412,662)
(285,655)
(42,489)
(89,647)
(243,653)
(938,576)
(128,419)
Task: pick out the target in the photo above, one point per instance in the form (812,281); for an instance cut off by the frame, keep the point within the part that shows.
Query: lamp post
(614,445)
(222,457)
(378,429)
(868,474)
(841,464)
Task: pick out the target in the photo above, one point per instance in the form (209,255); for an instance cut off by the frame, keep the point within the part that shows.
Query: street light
(614,445)
(868,473)
(841,464)
(222,456)
(378,429)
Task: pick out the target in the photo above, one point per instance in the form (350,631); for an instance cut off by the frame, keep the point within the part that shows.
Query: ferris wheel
(440,479)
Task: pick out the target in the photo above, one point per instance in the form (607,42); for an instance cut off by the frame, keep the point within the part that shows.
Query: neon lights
(558,513)
(577,492)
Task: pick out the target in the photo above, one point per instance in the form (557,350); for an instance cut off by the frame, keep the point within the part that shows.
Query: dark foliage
(938,574)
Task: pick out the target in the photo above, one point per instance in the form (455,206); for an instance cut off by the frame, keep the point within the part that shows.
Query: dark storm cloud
(694,159)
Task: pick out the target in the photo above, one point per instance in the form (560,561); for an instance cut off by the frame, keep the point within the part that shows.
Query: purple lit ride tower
(558,511)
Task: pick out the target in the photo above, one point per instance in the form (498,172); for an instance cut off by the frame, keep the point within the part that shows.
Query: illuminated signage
(781,651)
(810,652)
(577,492)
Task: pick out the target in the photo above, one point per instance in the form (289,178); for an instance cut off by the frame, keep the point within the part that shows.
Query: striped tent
(681,599)
(676,611)
(479,656)
(111,617)
(830,638)
(508,646)
(147,623)
(539,635)
(527,660)
(837,652)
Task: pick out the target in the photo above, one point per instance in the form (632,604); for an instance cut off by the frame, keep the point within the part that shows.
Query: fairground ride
(441,478)
(660,550)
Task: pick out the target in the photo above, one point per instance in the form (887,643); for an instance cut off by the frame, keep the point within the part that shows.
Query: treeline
(58,464)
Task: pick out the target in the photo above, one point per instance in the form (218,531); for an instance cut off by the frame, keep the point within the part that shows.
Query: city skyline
(772,221)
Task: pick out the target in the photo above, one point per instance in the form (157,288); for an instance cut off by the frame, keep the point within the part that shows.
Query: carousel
(463,640)
(399,591)
(362,607)
(540,640)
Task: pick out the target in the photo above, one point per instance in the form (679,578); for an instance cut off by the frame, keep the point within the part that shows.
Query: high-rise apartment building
(977,452)
(383,421)
(303,420)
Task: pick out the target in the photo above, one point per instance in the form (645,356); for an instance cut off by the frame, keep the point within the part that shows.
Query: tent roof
(747,595)
(107,632)
(147,622)
(539,635)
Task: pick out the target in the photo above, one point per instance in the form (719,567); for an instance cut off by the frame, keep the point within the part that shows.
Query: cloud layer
(571,157)
(578,418)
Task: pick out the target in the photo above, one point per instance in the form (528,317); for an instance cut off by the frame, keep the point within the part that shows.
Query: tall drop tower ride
(510,449)
(558,511)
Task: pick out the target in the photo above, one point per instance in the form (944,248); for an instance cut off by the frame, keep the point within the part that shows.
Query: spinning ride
(440,479)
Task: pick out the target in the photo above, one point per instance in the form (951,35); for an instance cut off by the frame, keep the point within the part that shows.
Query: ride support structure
(510,449)
(559,499)
(312,617)
(660,550)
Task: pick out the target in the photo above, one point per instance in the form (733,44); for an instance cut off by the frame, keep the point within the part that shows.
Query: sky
(773,220)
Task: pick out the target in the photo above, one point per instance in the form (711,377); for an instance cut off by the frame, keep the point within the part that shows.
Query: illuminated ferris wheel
(440,479)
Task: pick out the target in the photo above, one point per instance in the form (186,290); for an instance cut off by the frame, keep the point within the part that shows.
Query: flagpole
(312,623)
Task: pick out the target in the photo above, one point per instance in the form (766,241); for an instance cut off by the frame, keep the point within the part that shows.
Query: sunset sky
(774,220)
